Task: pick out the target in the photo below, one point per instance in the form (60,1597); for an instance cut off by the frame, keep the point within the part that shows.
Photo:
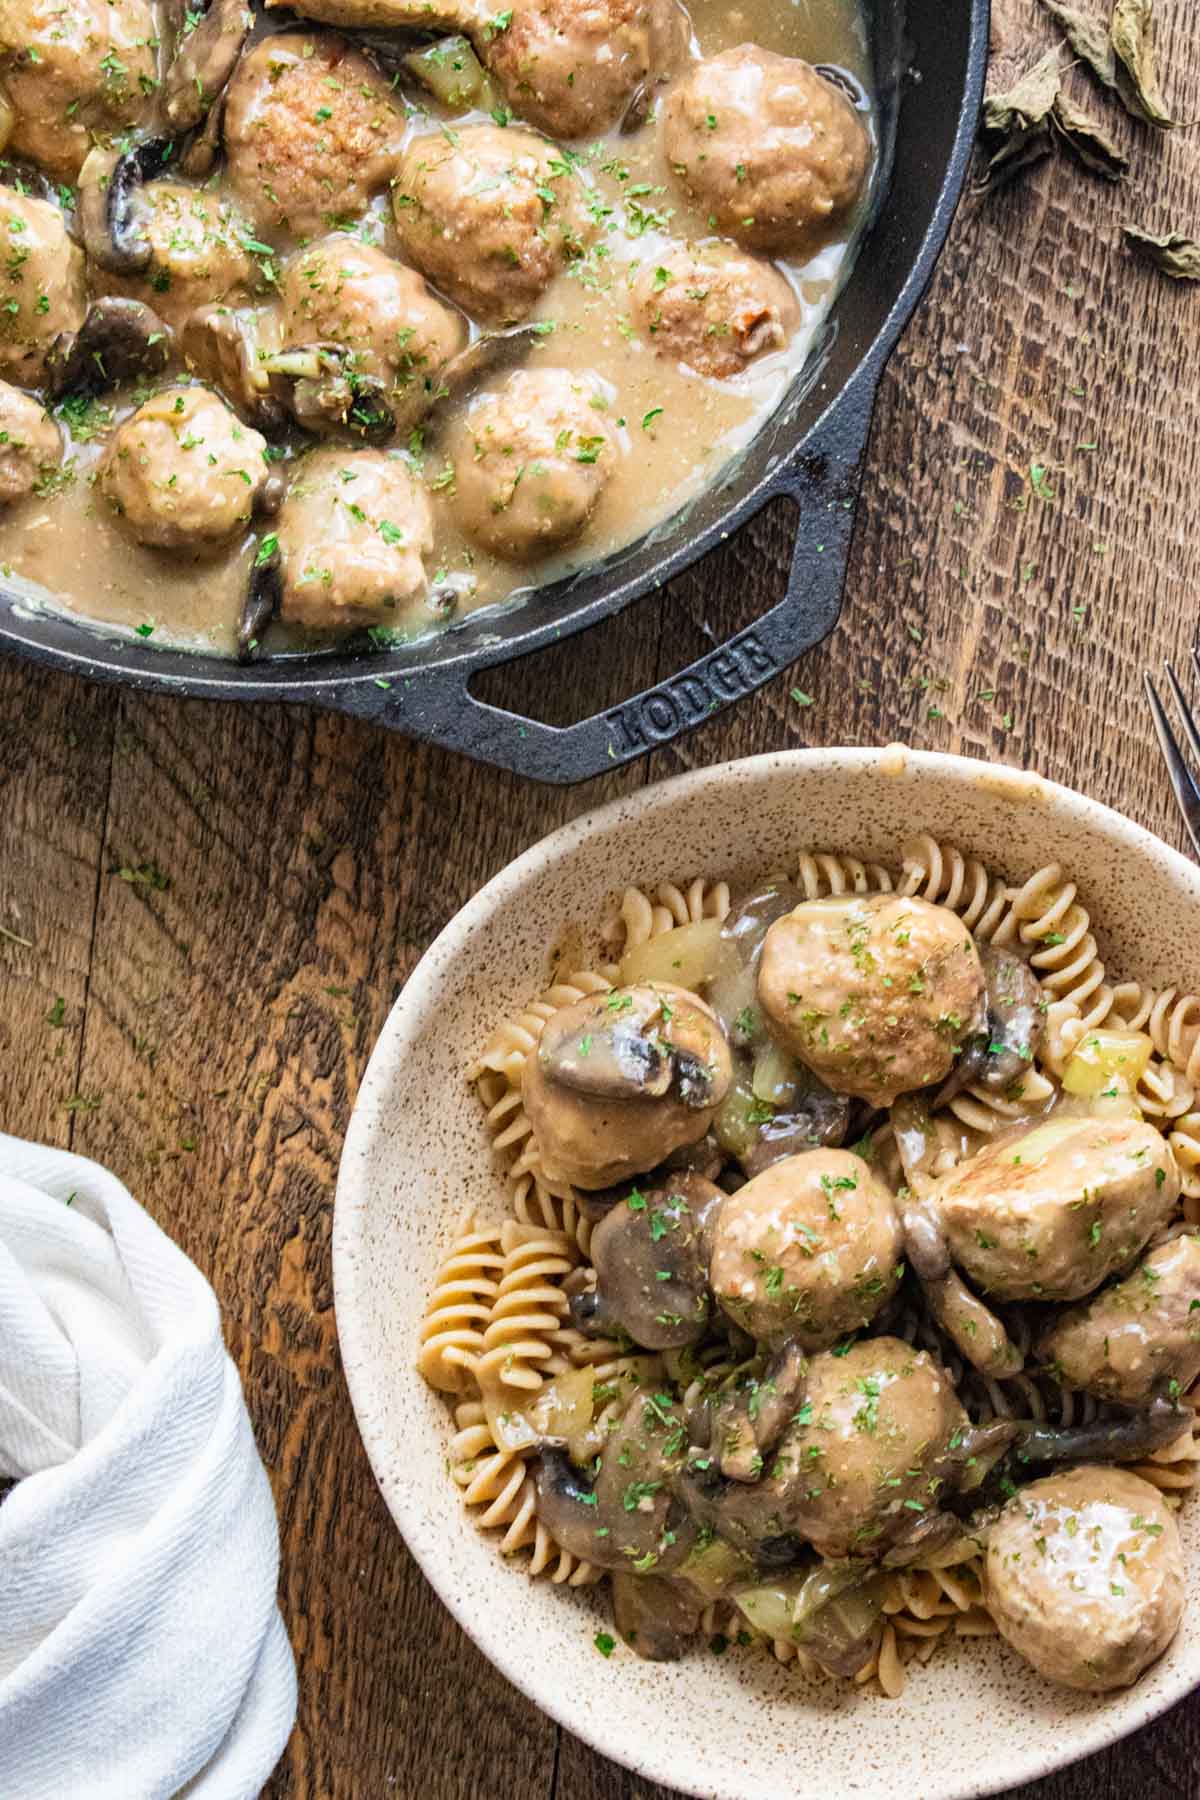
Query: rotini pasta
(499,1334)
(456,1319)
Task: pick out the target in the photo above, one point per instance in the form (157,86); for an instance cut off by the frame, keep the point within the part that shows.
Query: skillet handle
(825,486)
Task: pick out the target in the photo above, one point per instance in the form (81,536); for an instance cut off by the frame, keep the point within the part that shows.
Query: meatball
(198,250)
(312,130)
(621,1080)
(867,1453)
(807,1250)
(183,472)
(42,278)
(773,153)
(651,1254)
(1051,1214)
(1085,1577)
(1141,1334)
(714,309)
(573,66)
(490,215)
(532,459)
(345,292)
(354,532)
(876,996)
(30,443)
(72,72)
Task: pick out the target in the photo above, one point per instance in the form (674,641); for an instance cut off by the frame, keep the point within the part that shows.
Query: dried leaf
(1132,32)
(1026,104)
(1176,255)
(1088,38)
(1016,125)
(1020,150)
(1088,141)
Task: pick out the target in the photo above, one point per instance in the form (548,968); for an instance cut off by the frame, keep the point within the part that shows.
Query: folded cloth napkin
(141,1649)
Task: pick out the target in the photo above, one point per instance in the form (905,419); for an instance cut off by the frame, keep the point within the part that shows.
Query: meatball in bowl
(855,1346)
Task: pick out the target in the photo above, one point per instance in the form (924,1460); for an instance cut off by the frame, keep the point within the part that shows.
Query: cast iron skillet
(811,450)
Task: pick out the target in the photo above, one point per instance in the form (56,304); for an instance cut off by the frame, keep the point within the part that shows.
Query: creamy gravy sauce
(676,429)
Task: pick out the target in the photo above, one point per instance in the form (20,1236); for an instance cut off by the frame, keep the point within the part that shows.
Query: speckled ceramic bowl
(976,1719)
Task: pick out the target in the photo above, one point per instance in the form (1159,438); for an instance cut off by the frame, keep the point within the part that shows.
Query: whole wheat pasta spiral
(499,1491)
(456,1318)
(644,914)
(820,876)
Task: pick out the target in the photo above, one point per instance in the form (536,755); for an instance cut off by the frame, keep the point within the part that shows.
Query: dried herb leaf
(1016,125)
(1087,141)
(1132,32)
(1026,104)
(1176,255)
(1088,38)
(1020,150)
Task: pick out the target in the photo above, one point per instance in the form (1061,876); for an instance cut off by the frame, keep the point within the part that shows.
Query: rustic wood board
(227,900)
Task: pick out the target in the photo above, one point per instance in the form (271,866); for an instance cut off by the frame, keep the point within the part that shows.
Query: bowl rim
(1044,1757)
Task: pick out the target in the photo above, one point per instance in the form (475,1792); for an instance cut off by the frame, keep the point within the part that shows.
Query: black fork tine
(1185,712)
(1183,785)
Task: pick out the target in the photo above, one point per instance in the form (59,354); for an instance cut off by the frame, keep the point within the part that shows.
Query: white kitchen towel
(142,1654)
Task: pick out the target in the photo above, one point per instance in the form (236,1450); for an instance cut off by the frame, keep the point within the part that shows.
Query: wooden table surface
(227,899)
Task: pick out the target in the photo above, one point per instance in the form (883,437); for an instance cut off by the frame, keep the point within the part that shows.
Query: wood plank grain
(55,748)
(286,870)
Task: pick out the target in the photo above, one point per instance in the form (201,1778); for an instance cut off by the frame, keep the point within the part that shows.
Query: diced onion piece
(771,1608)
(563,1410)
(774,1078)
(685,957)
(713,1569)
(453,74)
(737,1119)
(8,119)
(1107,1063)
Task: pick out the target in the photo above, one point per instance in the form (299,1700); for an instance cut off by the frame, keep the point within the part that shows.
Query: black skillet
(931,58)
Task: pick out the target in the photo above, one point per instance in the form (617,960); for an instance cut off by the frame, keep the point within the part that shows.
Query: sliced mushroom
(491,351)
(1114,1440)
(106,209)
(749,1420)
(651,1258)
(999,1055)
(971,1326)
(326,394)
(206,55)
(264,591)
(221,345)
(120,340)
(200,149)
(629,1516)
(655,1617)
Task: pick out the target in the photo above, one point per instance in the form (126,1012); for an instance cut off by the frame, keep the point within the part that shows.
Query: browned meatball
(30,444)
(1051,1214)
(775,154)
(74,71)
(354,533)
(198,250)
(1085,1577)
(490,215)
(572,66)
(345,292)
(868,1450)
(42,283)
(183,472)
(312,130)
(531,460)
(713,308)
(876,996)
(1139,1334)
(809,1250)
(621,1080)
